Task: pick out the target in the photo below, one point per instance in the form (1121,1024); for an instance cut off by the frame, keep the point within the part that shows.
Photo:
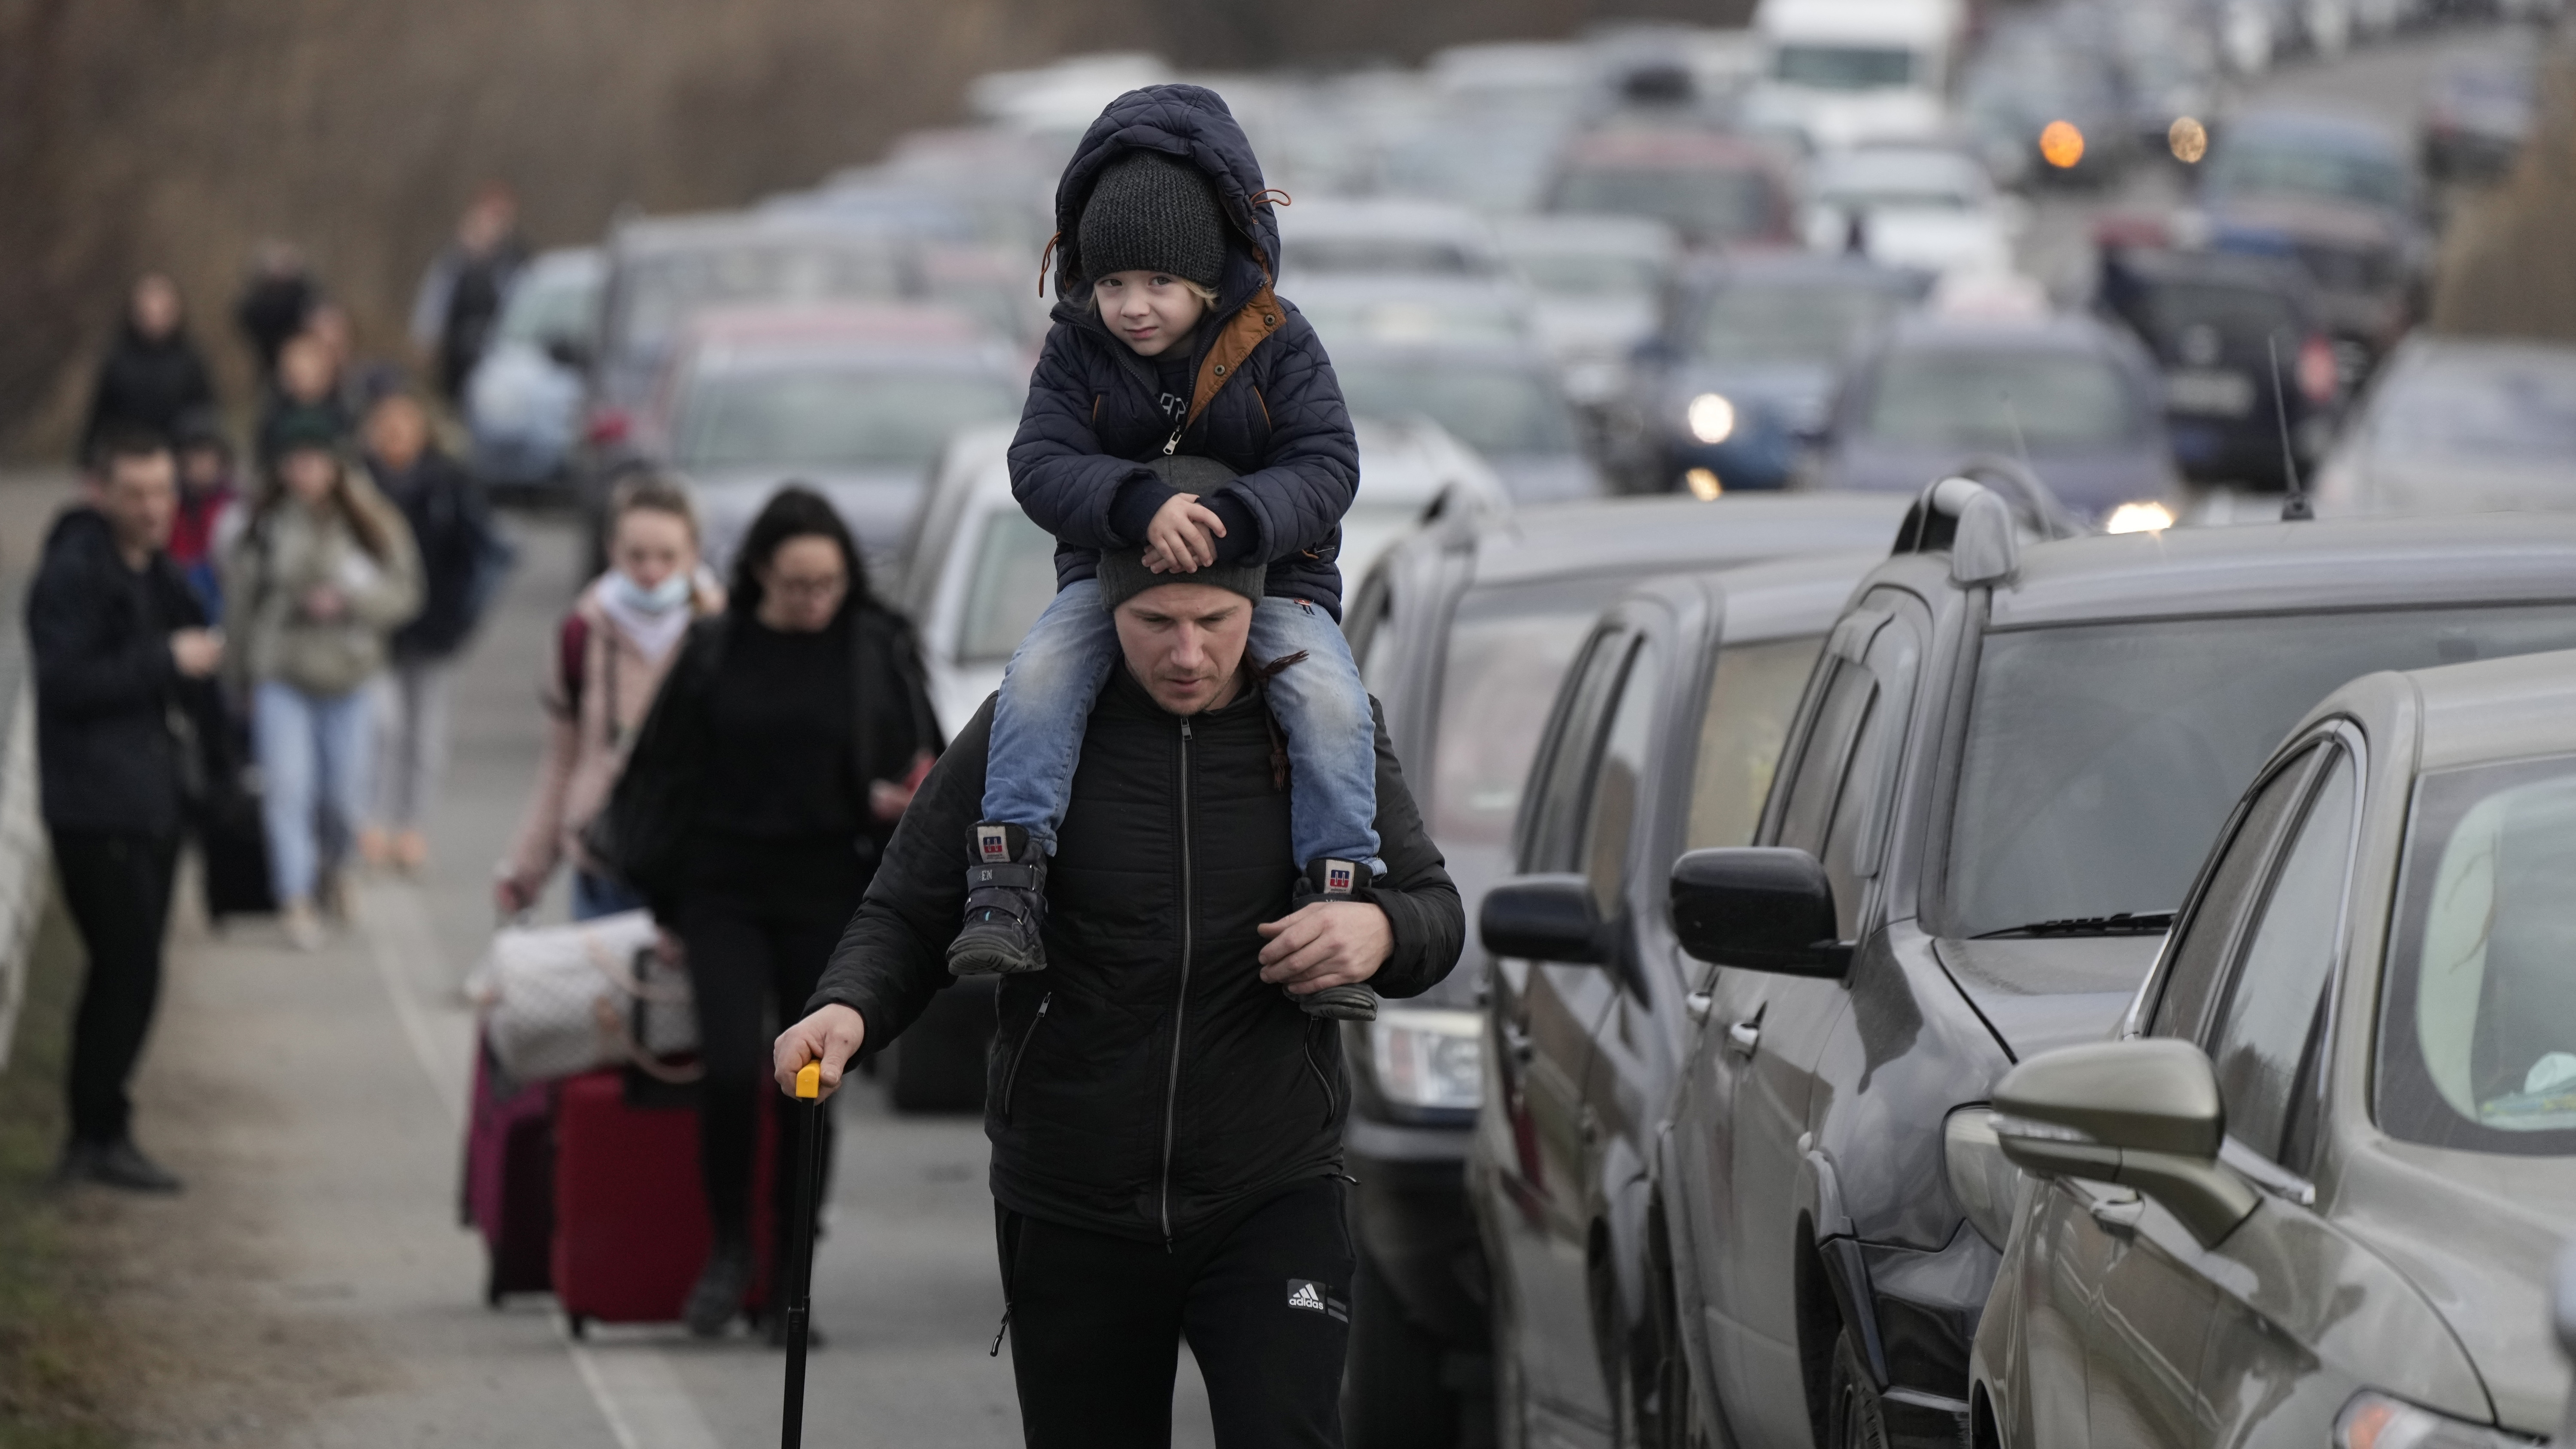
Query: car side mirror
(569,352)
(1543,918)
(1766,909)
(2143,1113)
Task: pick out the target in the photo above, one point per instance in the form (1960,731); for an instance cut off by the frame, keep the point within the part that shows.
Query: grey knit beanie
(1123,576)
(1150,213)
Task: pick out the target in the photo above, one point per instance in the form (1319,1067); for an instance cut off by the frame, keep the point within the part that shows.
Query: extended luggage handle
(627,1028)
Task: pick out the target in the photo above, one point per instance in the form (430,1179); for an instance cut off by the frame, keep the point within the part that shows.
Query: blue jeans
(1319,702)
(313,767)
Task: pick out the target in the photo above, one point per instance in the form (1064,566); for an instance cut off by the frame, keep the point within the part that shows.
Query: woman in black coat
(782,748)
(153,376)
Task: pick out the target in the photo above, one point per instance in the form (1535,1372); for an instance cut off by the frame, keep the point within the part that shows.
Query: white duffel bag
(557,1000)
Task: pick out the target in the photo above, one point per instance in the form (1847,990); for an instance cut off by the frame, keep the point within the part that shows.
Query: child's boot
(1325,880)
(1005,905)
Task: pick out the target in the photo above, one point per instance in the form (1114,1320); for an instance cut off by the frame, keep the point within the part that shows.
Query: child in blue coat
(1180,408)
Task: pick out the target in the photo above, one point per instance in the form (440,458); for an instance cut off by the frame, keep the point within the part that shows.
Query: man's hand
(1326,943)
(830,1036)
(196,652)
(1182,538)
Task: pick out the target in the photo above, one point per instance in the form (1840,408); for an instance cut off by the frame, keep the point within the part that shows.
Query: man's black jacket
(1148,1078)
(107,689)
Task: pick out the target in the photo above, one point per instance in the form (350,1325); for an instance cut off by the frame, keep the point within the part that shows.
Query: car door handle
(1698,1004)
(1517,1042)
(1744,1036)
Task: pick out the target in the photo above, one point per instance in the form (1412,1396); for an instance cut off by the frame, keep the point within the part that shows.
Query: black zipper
(1331,1098)
(1011,1078)
(1181,1001)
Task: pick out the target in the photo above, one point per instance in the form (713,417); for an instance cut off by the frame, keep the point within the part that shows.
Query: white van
(1840,72)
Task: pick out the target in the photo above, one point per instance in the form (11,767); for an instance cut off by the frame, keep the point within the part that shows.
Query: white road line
(634,1385)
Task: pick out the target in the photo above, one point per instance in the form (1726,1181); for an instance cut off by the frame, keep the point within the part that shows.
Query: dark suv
(1462,633)
(2003,773)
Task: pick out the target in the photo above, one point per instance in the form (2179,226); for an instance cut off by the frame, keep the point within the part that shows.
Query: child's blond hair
(1091,295)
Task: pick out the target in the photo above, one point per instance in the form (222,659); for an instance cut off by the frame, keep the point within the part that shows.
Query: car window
(2269,166)
(563,304)
(2513,409)
(1010,582)
(1825,755)
(1590,274)
(1752,699)
(2477,1047)
(834,417)
(1371,630)
(1853,835)
(1562,775)
(1490,409)
(2102,759)
(1772,324)
(1713,205)
(2273,1021)
(1843,67)
(2200,942)
(1618,781)
(1994,398)
(1508,648)
(658,294)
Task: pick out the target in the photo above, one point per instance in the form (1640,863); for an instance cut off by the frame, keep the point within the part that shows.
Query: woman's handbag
(558,1000)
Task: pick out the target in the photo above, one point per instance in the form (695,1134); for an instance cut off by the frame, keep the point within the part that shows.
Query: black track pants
(1263,1297)
(117,887)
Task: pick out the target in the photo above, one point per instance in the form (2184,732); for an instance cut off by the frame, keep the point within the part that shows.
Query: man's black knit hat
(1150,213)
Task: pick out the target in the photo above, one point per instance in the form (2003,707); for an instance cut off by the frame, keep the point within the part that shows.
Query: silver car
(2313,1193)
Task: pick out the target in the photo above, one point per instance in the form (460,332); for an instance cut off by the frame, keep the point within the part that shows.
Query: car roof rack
(1970,522)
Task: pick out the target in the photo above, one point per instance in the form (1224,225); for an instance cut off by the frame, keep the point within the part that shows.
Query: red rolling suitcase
(509,1187)
(631,1229)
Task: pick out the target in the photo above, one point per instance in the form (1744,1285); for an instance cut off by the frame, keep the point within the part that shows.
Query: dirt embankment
(176,133)
(2508,268)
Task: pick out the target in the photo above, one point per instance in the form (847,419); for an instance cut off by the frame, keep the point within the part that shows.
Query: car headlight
(2149,517)
(2376,1421)
(1987,1187)
(1711,418)
(1428,1058)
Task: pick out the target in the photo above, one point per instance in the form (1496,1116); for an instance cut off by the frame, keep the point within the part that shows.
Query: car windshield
(2102,759)
(2247,312)
(659,294)
(834,417)
(1843,67)
(1904,180)
(1994,398)
(1379,256)
(1491,409)
(2258,167)
(2477,1046)
(2519,411)
(1591,274)
(552,305)
(1413,319)
(1508,648)
(1761,323)
(1010,578)
(1713,205)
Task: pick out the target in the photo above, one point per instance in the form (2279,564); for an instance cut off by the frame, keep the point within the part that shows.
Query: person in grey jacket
(321,576)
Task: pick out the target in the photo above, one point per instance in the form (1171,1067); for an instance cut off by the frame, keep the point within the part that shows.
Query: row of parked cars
(2021,989)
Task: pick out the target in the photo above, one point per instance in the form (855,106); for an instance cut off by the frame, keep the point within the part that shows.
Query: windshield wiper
(2123,923)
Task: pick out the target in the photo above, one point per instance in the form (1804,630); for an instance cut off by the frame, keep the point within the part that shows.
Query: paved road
(332,1159)
(315,1102)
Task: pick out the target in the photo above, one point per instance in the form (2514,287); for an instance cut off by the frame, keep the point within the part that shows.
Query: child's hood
(1192,123)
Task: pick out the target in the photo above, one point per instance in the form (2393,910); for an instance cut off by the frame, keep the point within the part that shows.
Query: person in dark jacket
(207,492)
(461,295)
(460,560)
(1166,1130)
(276,299)
(153,377)
(120,652)
(1179,406)
(784,743)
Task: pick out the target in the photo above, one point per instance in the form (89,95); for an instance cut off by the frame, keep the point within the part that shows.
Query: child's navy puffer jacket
(1265,403)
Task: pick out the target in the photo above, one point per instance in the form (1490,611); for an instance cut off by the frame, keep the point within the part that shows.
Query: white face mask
(662,598)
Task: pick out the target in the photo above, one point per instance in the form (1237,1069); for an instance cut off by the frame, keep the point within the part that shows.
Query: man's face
(1184,643)
(140,498)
